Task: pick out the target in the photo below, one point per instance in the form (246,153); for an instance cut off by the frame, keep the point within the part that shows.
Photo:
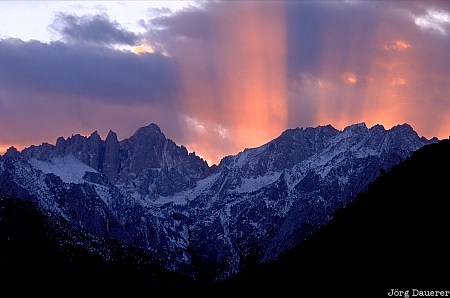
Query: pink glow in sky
(228,75)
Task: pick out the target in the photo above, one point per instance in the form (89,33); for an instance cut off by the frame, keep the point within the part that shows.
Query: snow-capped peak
(148,192)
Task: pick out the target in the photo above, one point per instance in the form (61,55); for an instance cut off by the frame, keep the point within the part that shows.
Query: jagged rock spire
(111,163)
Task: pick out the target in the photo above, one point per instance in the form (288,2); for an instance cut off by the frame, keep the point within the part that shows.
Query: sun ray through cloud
(221,76)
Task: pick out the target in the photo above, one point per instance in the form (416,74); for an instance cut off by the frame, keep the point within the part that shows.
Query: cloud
(191,23)
(210,137)
(398,45)
(95,29)
(398,82)
(144,49)
(433,20)
(402,80)
(350,78)
(57,89)
(33,118)
(82,71)
(233,75)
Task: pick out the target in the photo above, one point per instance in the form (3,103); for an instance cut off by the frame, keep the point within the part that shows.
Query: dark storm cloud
(87,72)
(189,23)
(97,29)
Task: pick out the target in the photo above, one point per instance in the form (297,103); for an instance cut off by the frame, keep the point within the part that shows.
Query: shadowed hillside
(34,263)
(394,236)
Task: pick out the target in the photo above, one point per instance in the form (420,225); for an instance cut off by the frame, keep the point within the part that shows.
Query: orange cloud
(141,49)
(375,96)
(350,78)
(398,45)
(398,82)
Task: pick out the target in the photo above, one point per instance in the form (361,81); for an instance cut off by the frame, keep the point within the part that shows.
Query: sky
(218,77)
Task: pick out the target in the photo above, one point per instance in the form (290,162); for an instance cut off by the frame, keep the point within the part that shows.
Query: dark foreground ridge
(35,264)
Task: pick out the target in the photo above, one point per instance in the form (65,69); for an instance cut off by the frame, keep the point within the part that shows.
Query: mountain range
(392,238)
(148,194)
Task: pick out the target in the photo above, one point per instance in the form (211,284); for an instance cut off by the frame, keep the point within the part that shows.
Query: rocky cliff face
(150,193)
(157,165)
(147,163)
(111,163)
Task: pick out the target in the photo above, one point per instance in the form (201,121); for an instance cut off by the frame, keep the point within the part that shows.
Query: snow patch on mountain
(247,155)
(68,168)
(183,197)
(255,183)
(162,200)
(103,192)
